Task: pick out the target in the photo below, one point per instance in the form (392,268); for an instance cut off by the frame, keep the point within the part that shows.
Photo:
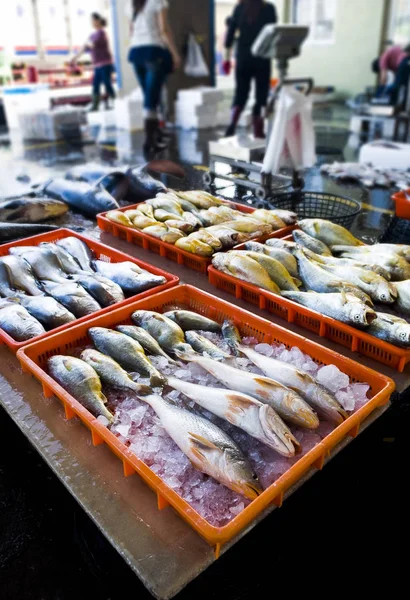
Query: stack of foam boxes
(197,108)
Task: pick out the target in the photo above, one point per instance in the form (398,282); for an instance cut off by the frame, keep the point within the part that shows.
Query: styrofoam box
(195,109)
(22,99)
(129,113)
(390,155)
(203,122)
(104,118)
(48,124)
(201,95)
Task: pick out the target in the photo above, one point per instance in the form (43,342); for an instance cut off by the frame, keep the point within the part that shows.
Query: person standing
(154,55)
(248,18)
(102,59)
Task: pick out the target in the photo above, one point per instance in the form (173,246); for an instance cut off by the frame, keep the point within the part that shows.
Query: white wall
(345,64)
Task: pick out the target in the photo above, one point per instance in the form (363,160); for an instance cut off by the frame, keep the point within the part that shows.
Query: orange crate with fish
(357,340)
(165,249)
(145,457)
(103,253)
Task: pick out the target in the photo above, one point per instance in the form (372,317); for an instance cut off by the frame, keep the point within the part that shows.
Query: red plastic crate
(102,252)
(33,358)
(182,257)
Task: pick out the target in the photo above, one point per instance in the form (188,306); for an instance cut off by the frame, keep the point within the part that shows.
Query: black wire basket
(397,232)
(319,205)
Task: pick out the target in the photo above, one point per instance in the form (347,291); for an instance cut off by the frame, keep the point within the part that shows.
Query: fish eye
(402,335)
(356,317)
(383,296)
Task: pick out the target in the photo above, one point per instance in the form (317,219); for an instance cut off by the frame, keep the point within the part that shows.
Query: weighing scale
(243,152)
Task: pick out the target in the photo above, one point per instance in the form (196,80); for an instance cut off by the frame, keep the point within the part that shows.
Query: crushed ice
(137,425)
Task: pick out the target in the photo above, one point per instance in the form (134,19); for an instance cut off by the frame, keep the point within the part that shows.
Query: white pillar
(126,80)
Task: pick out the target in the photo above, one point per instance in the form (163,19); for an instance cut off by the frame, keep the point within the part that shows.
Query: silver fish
(69,264)
(403,296)
(257,419)
(111,373)
(315,394)
(392,329)
(80,380)
(105,291)
(317,279)
(18,323)
(78,250)
(20,275)
(126,351)
(149,344)
(201,344)
(397,266)
(46,310)
(283,256)
(303,239)
(231,336)
(166,332)
(45,265)
(129,276)
(342,306)
(73,296)
(371,283)
(327,232)
(276,271)
(287,403)
(347,262)
(208,448)
(190,320)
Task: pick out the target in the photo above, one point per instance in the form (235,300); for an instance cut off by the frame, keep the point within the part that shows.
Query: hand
(177,62)
(226,67)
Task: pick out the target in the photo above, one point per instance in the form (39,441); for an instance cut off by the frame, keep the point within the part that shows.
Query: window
(53,27)
(400,22)
(17,29)
(320,16)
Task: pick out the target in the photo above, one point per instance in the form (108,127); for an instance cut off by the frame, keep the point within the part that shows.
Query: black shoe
(230,131)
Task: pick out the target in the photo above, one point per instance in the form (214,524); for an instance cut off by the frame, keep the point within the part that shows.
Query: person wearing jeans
(101,58)
(249,18)
(153,55)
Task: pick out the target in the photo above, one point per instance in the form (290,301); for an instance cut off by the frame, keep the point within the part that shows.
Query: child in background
(102,60)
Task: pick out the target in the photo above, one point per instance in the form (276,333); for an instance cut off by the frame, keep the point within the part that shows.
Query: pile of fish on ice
(86,189)
(343,277)
(367,175)
(217,417)
(46,286)
(200,223)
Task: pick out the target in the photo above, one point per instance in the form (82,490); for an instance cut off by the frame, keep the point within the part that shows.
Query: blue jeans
(401,80)
(152,65)
(103,75)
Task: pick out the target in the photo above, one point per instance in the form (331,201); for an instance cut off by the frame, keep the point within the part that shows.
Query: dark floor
(347,527)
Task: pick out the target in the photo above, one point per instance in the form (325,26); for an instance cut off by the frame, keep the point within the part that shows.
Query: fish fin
(238,404)
(267,381)
(102,398)
(344,296)
(202,442)
(297,282)
(334,284)
(165,166)
(366,278)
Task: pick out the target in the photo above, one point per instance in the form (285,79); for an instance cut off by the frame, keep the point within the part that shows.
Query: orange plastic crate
(102,252)
(402,204)
(33,358)
(182,257)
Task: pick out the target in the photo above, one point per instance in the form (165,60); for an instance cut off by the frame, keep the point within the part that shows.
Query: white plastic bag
(292,139)
(195,64)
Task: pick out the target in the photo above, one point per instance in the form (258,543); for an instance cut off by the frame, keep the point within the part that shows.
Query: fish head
(403,334)
(386,292)
(308,226)
(360,314)
(238,475)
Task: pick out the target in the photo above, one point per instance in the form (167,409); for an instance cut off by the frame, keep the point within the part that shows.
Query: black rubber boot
(152,142)
(95,103)
(235,116)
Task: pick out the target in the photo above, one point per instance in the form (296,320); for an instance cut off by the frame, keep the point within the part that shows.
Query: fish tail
(277,432)
(157,380)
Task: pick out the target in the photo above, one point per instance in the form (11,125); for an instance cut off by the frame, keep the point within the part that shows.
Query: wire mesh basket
(320,205)
(398,232)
